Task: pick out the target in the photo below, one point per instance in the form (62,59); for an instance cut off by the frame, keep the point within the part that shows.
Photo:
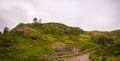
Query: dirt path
(84,57)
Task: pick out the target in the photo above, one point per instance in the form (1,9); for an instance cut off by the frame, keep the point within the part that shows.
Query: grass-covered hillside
(33,42)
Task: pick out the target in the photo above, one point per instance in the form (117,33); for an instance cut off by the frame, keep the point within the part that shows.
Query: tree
(39,20)
(6,29)
(35,20)
(0,33)
(104,40)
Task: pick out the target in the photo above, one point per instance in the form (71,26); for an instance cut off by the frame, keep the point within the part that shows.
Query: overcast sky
(103,15)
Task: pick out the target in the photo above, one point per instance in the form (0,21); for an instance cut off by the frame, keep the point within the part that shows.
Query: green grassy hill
(34,41)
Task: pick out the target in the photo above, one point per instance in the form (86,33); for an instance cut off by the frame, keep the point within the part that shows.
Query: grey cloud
(12,16)
(86,14)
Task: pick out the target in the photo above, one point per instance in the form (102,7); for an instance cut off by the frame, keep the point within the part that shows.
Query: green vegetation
(34,42)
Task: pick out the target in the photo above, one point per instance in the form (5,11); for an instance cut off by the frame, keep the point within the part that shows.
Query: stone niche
(75,50)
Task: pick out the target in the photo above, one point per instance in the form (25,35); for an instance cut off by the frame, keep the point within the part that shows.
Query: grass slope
(34,42)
